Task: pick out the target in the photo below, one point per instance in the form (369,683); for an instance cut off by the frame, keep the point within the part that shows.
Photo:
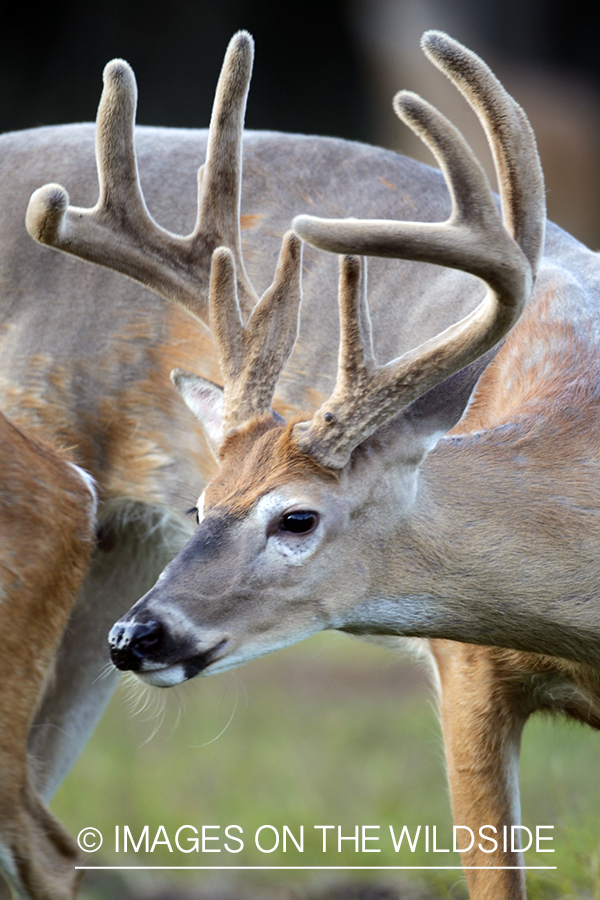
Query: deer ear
(443,406)
(205,400)
(433,414)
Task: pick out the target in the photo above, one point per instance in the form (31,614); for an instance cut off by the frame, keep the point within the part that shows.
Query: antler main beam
(120,233)
(474,239)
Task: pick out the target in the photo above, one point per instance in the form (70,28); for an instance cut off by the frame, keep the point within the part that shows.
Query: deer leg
(39,854)
(46,522)
(482,722)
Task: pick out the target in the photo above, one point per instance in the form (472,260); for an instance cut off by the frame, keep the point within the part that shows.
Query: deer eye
(299,522)
(195,512)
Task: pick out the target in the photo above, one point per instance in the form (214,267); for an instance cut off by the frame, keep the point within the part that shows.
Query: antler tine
(356,365)
(515,155)
(356,358)
(119,232)
(473,239)
(220,183)
(509,134)
(456,242)
(252,357)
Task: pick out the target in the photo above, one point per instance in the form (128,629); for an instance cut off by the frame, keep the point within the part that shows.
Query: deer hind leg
(38,853)
(47,509)
(483,714)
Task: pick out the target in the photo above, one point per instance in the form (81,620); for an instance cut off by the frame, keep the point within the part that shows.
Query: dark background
(322,66)
(306,77)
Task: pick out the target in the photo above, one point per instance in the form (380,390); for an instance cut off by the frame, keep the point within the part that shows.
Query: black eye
(299,522)
(193,512)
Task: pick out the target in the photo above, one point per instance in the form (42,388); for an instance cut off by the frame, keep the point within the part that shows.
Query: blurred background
(324,67)
(333,730)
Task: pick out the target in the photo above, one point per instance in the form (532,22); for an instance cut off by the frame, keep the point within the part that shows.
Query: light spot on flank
(250,220)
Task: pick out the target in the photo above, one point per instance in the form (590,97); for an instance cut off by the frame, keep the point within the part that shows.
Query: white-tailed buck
(359,512)
(47,514)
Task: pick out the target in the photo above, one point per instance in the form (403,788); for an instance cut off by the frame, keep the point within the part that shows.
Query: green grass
(332,732)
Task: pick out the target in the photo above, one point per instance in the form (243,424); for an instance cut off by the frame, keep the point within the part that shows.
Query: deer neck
(483,554)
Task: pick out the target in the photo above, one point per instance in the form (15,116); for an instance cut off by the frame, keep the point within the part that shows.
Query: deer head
(298,529)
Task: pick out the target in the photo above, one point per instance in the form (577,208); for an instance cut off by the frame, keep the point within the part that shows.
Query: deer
(442,490)
(47,517)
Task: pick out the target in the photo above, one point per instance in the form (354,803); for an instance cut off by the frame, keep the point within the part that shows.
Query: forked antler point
(252,354)
(119,232)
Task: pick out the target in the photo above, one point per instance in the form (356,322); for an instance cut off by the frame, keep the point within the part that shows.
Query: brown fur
(255,459)
(45,547)
(486,696)
(250,220)
(524,380)
(140,453)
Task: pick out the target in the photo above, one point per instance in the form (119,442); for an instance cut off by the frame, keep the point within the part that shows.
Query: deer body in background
(467,534)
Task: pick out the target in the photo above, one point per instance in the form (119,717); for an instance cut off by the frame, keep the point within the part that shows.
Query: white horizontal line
(300,868)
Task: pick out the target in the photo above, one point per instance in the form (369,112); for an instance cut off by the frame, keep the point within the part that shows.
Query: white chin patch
(163,677)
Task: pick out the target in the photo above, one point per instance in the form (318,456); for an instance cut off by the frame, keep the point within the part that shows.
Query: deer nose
(131,643)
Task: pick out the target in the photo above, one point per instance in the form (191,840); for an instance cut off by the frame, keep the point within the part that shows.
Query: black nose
(131,643)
